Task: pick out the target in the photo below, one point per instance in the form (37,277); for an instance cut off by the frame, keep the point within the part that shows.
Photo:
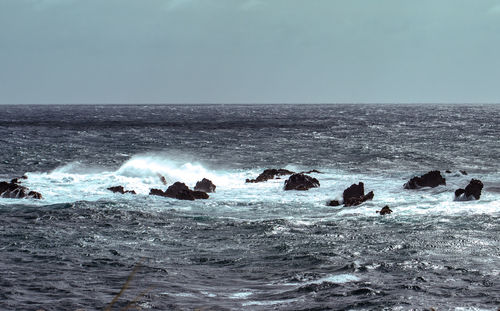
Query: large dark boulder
(175,189)
(354,191)
(301,182)
(179,191)
(471,192)
(270,174)
(355,195)
(120,189)
(430,179)
(205,185)
(13,190)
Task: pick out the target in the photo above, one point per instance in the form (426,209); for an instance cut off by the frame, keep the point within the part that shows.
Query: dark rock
(471,192)
(17,180)
(358,200)
(355,195)
(200,195)
(184,194)
(459,192)
(354,191)
(463,172)
(205,185)
(430,179)
(179,191)
(448,172)
(176,188)
(385,210)
(35,195)
(120,189)
(270,174)
(15,191)
(158,192)
(301,182)
(333,203)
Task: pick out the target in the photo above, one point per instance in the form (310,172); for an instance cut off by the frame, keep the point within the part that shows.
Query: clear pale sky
(246,51)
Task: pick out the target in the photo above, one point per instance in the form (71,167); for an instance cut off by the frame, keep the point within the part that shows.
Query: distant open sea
(249,246)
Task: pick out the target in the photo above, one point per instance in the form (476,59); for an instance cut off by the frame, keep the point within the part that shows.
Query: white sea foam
(75,182)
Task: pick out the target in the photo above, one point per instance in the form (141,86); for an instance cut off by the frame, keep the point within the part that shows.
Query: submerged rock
(13,190)
(205,185)
(301,182)
(355,195)
(179,191)
(270,174)
(431,179)
(333,203)
(120,189)
(471,192)
(385,210)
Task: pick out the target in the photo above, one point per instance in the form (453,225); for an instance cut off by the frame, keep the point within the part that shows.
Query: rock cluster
(180,191)
(13,190)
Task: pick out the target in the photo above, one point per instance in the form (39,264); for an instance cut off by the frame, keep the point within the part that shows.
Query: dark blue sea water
(249,246)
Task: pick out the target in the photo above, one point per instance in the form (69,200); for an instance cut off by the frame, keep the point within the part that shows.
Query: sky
(249,51)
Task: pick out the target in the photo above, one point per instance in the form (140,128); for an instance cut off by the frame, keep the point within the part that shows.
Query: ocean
(250,246)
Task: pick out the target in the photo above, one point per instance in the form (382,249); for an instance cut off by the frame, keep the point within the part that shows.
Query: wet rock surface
(471,192)
(179,191)
(13,190)
(120,189)
(431,179)
(355,195)
(205,185)
(301,182)
(385,210)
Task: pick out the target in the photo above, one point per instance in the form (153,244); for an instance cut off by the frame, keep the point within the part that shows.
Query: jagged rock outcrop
(13,190)
(471,192)
(355,195)
(179,191)
(120,189)
(270,174)
(205,185)
(431,179)
(301,182)
(385,210)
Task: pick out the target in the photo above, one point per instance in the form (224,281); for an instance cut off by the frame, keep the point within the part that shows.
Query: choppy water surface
(250,246)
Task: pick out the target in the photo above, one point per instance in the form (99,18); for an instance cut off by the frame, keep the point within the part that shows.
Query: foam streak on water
(249,246)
